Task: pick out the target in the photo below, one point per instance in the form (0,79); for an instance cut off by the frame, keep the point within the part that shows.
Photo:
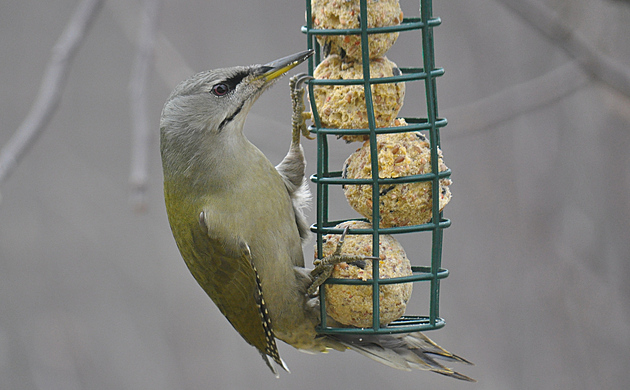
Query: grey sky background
(95,296)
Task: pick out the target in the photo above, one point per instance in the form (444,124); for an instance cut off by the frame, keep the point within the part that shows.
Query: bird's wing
(225,270)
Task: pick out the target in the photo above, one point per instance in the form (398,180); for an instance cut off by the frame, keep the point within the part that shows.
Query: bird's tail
(404,352)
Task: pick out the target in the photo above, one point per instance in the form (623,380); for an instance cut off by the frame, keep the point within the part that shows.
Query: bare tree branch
(516,100)
(169,64)
(138,103)
(549,23)
(51,88)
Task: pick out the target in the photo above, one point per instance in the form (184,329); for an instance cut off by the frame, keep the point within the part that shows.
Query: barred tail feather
(267,359)
(404,352)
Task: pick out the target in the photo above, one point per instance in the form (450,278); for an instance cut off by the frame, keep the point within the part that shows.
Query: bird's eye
(220,89)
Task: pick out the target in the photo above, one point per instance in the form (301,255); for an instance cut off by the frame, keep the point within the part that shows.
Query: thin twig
(139,174)
(51,88)
(549,23)
(169,64)
(539,92)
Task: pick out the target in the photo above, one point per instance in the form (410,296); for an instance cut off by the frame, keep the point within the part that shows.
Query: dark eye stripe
(236,79)
(232,82)
(229,84)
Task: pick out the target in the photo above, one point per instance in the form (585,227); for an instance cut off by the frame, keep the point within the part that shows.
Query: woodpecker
(239,224)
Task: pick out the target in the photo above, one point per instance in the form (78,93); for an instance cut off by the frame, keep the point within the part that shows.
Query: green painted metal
(431,124)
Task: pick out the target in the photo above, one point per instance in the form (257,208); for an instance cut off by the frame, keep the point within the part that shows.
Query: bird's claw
(324,266)
(300,115)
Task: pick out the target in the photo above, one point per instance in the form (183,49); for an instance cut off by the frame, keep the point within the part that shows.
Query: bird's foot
(300,115)
(324,266)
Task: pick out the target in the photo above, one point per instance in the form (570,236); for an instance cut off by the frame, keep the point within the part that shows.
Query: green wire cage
(325,177)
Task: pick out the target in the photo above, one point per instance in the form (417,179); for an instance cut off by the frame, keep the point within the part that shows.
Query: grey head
(213,100)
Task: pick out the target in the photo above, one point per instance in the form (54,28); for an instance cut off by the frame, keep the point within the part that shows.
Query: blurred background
(94,295)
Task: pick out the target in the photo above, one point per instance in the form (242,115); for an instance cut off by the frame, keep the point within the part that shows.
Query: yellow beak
(278,67)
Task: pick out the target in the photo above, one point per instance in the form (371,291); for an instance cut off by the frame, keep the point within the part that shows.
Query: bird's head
(214,100)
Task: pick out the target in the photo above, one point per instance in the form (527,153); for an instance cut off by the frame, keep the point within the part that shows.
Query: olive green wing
(223,267)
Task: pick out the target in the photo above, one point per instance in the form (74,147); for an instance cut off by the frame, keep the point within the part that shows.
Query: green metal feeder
(427,73)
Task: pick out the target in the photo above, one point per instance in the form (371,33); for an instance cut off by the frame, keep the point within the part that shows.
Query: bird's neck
(211,162)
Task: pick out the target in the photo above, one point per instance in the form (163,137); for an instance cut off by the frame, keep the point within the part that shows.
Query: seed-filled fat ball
(402,154)
(343,106)
(345,14)
(352,304)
